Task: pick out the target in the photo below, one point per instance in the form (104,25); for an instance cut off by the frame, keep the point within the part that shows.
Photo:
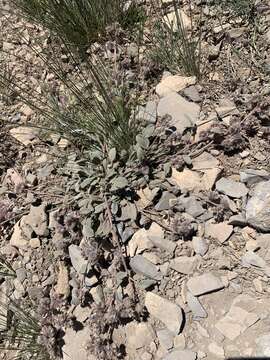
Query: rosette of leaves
(6,269)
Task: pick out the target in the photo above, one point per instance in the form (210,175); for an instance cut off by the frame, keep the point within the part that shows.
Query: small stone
(34,243)
(216,349)
(196,307)
(210,177)
(252,245)
(205,161)
(184,114)
(167,312)
(62,287)
(36,221)
(174,83)
(192,94)
(25,135)
(231,188)
(165,338)
(181,355)
(263,345)
(237,220)
(252,176)
(186,179)
(184,264)
(257,209)
(156,236)
(221,231)
(199,245)
(193,207)
(179,342)
(63,143)
(140,242)
(203,284)
(141,265)
(165,202)
(18,239)
(77,260)
(97,294)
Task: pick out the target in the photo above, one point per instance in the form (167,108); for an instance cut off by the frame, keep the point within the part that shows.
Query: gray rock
(196,307)
(252,259)
(165,338)
(183,114)
(77,260)
(192,94)
(141,265)
(184,264)
(167,312)
(252,176)
(231,188)
(237,220)
(263,345)
(203,284)
(164,202)
(200,245)
(181,355)
(258,207)
(156,237)
(193,207)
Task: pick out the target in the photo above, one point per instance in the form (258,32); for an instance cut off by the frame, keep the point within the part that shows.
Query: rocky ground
(195,242)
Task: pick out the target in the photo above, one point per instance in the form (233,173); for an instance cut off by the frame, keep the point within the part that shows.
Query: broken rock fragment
(231,188)
(184,264)
(203,284)
(139,264)
(167,312)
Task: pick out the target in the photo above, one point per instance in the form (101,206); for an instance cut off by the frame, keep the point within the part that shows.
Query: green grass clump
(79,22)
(22,333)
(174,46)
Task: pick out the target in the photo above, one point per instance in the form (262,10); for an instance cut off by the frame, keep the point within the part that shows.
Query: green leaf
(148,131)
(142,141)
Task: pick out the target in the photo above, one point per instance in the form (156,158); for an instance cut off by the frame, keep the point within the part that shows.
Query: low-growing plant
(176,47)
(242,8)
(79,22)
(6,269)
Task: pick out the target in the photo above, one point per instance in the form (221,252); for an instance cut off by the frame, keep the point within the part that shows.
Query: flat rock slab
(205,161)
(174,83)
(184,114)
(170,314)
(239,318)
(184,264)
(203,284)
(231,188)
(253,176)
(156,236)
(139,264)
(257,209)
(196,307)
(186,179)
(221,231)
(181,355)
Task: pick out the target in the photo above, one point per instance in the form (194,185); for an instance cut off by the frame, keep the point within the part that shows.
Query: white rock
(74,338)
(168,313)
(185,264)
(174,83)
(263,345)
(171,20)
(184,114)
(186,179)
(203,284)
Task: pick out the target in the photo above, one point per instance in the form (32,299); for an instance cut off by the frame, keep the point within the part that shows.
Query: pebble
(257,209)
(196,307)
(77,260)
(221,231)
(203,284)
(231,188)
(184,264)
(170,314)
(139,264)
(181,354)
(199,245)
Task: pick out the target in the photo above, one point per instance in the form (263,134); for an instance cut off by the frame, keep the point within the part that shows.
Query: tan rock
(18,239)
(186,179)
(171,20)
(24,134)
(221,231)
(184,264)
(62,287)
(164,310)
(174,83)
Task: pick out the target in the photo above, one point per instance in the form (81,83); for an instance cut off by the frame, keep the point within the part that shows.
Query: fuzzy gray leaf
(119,183)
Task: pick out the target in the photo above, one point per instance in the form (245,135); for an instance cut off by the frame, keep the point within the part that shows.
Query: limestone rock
(186,179)
(203,284)
(167,312)
(231,188)
(184,114)
(174,83)
(257,209)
